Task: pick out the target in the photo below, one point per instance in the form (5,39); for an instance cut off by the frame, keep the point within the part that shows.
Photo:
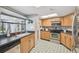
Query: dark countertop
(53,31)
(4,41)
(30,31)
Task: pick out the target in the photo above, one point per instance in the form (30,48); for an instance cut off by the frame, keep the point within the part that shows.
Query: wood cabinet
(45,35)
(27,43)
(72,42)
(24,45)
(32,41)
(62,40)
(46,22)
(66,20)
(67,40)
(62,21)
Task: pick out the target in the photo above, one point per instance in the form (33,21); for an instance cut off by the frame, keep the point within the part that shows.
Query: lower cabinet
(67,40)
(31,41)
(62,40)
(45,35)
(72,42)
(27,43)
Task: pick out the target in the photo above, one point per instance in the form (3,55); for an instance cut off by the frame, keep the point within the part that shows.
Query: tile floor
(43,46)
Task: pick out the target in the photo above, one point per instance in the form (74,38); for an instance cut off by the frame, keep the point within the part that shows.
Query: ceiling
(45,10)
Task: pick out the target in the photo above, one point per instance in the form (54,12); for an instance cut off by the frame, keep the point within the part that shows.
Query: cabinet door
(72,42)
(63,38)
(68,41)
(24,45)
(32,41)
(45,35)
(62,21)
(42,35)
(67,20)
(46,22)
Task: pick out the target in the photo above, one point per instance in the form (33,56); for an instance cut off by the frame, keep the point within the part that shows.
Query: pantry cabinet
(45,35)
(27,43)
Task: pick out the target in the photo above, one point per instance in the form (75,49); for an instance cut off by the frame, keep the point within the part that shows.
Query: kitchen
(25,29)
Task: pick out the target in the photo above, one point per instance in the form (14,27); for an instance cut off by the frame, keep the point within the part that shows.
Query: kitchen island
(26,41)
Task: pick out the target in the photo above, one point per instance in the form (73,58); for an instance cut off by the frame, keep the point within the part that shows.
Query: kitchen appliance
(56,25)
(55,36)
(55,30)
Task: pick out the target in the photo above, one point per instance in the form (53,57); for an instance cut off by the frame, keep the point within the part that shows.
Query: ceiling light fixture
(37,6)
(48,16)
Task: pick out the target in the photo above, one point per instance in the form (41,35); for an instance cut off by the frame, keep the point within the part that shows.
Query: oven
(55,31)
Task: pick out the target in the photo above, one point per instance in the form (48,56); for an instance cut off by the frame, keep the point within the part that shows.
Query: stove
(55,31)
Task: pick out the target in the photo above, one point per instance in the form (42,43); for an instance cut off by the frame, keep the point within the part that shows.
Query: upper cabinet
(67,20)
(46,22)
(62,21)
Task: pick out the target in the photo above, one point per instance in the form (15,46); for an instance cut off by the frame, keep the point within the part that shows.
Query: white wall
(34,27)
(31,26)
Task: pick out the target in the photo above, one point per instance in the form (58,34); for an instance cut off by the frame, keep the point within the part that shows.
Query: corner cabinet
(27,43)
